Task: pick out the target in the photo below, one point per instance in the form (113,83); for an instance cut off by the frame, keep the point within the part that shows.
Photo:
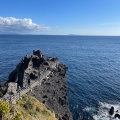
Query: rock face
(3,89)
(27,68)
(117,116)
(111,111)
(51,76)
(53,93)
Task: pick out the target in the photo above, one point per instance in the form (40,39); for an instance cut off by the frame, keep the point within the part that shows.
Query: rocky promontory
(53,93)
(41,77)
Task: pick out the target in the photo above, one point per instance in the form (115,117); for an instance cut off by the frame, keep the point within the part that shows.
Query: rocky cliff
(53,93)
(41,77)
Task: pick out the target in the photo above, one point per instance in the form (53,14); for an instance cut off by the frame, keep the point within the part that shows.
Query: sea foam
(103,111)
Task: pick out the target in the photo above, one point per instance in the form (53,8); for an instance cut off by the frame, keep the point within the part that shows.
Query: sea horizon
(64,35)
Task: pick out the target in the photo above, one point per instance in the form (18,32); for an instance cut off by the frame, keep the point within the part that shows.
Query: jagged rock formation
(3,89)
(111,111)
(28,68)
(47,79)
(53,93)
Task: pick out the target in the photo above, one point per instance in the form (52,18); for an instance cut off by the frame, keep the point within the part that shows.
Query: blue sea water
(94,68)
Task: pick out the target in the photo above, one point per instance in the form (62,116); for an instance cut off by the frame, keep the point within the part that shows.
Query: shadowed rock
(111,111)
(117,116)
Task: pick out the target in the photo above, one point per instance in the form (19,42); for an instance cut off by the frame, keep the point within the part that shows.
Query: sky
(60,17)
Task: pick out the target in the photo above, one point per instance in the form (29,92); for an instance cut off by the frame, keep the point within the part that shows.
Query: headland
(41,77)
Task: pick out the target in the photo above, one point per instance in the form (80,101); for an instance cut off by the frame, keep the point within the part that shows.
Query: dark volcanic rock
(111,111)
(46,63)
(3,89)
(50,74)
(38,53)
(19,71)
(65,117)
(37,61)
(117,116)
(33,76)
(53,93)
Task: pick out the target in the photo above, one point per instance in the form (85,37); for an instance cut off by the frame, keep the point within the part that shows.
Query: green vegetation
(32,109)
(28,108)
(4,109)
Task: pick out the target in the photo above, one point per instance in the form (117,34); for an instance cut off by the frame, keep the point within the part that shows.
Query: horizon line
(60,34)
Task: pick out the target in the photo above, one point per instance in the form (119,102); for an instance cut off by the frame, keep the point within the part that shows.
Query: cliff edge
(41,77)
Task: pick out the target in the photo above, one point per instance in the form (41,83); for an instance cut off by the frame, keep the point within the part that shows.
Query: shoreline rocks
(111,111)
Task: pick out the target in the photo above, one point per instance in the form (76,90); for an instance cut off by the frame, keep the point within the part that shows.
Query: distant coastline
(61,35)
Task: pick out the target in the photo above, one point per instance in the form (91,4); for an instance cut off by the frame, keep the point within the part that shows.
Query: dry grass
(32,109)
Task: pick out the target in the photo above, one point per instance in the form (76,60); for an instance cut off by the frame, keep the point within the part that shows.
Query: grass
(32,109)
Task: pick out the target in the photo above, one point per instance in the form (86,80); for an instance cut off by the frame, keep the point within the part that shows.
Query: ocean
(94,68)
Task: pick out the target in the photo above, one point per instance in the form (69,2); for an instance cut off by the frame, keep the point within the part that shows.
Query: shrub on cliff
(32,109)
(17,116)
(4,109)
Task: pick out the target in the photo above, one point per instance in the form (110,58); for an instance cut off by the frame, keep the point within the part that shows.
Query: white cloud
(14,25)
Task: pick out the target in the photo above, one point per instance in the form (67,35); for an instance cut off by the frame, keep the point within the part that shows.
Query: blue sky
(60,17)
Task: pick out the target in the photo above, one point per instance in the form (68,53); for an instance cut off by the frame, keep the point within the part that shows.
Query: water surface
(94,68)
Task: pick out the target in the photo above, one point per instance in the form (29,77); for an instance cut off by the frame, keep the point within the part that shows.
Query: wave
(103,111)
